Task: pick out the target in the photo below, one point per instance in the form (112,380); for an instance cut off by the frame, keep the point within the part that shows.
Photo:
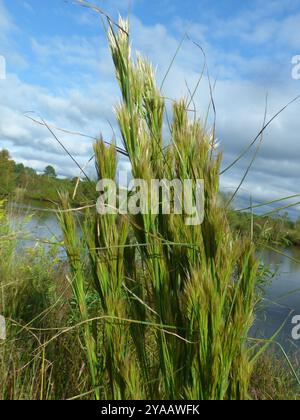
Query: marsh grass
(35,297)
(176,301)
(272,381)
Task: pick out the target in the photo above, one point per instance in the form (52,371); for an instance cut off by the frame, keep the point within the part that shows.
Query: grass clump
(176,300)
(272,381)
(35,299)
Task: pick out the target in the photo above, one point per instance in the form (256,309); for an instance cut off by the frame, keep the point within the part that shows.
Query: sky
(58,68)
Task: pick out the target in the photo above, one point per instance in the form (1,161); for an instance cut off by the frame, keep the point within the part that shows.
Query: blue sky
(59,67)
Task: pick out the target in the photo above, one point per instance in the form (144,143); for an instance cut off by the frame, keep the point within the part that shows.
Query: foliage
(50,171)
(272,381)
(16,179)
(34,299)
(278,230)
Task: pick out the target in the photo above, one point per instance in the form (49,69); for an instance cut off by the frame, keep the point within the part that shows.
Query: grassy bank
(277,230)
(146,306)
(44,356)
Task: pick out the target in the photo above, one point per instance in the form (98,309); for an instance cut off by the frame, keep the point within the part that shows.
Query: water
(35,222)
(281,299)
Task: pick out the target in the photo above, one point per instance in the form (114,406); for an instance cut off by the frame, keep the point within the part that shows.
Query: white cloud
(83,91)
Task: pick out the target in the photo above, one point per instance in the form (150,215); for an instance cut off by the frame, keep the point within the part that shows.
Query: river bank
(281,292)
(41,277)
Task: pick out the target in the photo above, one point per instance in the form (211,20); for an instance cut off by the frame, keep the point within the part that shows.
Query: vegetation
(43,356)
(146,306)
(272,381)
(16,180)
(21,183)
(278,230)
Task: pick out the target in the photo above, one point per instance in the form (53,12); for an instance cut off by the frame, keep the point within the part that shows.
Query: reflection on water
(282,298)
(282,295)
(34,222)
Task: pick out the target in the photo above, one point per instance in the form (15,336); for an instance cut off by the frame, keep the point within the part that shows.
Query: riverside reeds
(176,301)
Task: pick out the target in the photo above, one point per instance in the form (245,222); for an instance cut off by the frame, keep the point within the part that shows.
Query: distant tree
(19,168)
(6,173)
(50,172)
(4,155)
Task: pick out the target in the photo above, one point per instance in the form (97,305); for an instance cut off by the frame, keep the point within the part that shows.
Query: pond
(281,299)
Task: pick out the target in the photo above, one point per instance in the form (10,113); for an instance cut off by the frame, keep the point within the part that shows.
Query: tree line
(18,179)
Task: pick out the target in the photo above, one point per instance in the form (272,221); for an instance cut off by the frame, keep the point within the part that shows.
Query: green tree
(50,172)
(6,173)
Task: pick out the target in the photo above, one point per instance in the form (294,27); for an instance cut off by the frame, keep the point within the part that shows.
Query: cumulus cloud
(76,90)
